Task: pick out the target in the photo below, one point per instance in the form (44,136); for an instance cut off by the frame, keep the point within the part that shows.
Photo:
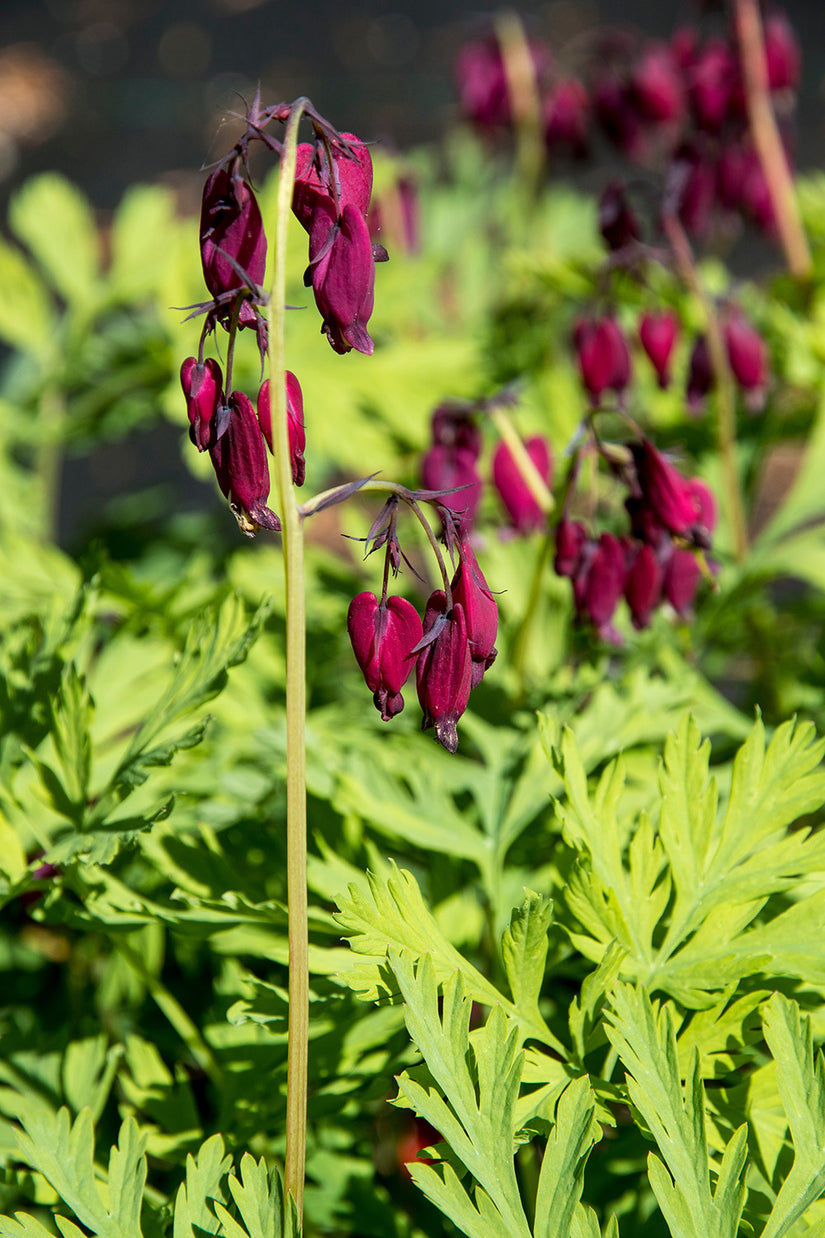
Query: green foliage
(587,947)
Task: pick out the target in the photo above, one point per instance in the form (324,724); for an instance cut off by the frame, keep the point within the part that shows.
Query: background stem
(293,552)
(767,141)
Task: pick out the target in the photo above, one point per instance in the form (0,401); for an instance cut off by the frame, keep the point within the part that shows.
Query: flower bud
(658,334)
(444,673)
(231,232)
(383,637)
(239,459)
(202,383)
(525,513)
(469,588)
(782,53)
(295,423)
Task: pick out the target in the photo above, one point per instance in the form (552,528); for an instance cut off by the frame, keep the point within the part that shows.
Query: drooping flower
(643,585)
(444,670)
(701,378)
(202,383)
(342,273)
(671,497)
(748,358)
(658,334)
(599,584)
(657,86)
(239,459)
(470,589)
(295,423)
(566,115)
(524,511)
(383,636)
(603,357)
(232,239)
(317,186)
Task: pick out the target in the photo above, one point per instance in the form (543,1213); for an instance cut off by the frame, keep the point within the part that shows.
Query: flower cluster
(679,102)
(449,651)
(603,356)
(331,199)
(671,519)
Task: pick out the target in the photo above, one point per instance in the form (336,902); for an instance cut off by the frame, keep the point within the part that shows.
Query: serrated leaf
(142,236)
(205,1173)
(562,1169)
(258,1196)
(801,1078)
(392,914)
(524,950)
(54,220)
(63,1152)
(644,1036)
(21,1225)
(479,1122)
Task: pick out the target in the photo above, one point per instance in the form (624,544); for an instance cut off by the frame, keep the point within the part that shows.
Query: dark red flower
(643,586)
(525,513)
(454,425)
(295,423)
(239,458)
(748,358)
(315,184)
(342,273)
(713,84)
(470,589)
(681,580)
(657,86)
(782,53)
(599,584)
(202,383)
(670,496)
(603,357)
(566,114)
(232,238)
(444,670)
(701,378)
(482,81)
(571,536)
(383,637)
(658,334)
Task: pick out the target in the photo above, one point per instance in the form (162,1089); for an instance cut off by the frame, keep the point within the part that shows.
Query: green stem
(296,808)
(525,102)
(531,477)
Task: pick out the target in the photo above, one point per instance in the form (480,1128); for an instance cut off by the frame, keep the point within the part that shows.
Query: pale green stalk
(296,809)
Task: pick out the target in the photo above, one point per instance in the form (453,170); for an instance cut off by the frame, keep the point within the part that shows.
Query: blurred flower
(658,334)
(617,222)
(525,513)
(603,357)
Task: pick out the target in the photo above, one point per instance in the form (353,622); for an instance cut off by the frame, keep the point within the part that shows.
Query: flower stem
(767,141)
(531,477)
(725,394)
(293,552)
(525,104)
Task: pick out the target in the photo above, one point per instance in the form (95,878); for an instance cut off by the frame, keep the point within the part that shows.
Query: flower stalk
(767,141)
(293,558)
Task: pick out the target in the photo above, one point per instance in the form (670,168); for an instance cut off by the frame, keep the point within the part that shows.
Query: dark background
(113,91)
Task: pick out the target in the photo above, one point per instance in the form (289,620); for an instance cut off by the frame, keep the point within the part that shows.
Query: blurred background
(116,91)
